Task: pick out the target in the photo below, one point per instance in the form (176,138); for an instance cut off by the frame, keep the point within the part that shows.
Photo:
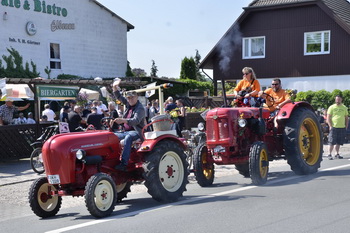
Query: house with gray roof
(306,43)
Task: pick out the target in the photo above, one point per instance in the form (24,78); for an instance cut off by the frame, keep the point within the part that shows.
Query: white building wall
(312,83)
(97,46)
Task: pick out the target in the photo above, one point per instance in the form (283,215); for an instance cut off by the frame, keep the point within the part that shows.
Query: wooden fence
(15,140)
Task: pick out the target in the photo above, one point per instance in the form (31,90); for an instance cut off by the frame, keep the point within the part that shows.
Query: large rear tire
(42,203)
(123,190)
(302,141)
(100,195)
(203,169)
(258,163)
(166,172)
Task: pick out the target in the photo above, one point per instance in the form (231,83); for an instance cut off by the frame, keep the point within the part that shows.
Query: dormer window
(253,47)
(316,43)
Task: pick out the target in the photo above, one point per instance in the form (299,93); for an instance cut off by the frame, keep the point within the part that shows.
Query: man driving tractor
(133,121)
(279,96)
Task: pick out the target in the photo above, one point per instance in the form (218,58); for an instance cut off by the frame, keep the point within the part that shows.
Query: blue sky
(167,31)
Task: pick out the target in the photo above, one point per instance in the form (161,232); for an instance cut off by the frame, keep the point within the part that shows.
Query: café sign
(37,6)
(57,92)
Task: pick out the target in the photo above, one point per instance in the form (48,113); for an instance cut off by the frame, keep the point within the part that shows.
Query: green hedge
(322,98)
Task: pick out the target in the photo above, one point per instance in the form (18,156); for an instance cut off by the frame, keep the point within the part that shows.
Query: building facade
(303,42)
(80,37)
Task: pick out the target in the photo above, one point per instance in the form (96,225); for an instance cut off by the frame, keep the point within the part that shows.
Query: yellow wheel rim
(263,163)
(309,141)
(207,168)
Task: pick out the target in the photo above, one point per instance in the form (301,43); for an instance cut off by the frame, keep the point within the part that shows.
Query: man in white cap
(7,110)
(133,121)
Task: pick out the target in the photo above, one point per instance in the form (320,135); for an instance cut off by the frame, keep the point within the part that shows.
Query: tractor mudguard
(148,144)
(287,109)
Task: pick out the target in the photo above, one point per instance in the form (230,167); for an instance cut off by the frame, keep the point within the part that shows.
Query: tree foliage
(154,69)
(128,72)
(188,69)
(14,66)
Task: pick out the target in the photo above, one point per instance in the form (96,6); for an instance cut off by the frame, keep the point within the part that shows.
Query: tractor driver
(133,121)
(279,95)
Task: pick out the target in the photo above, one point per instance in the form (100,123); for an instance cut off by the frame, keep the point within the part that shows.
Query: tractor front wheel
(100,195)
(41,200)
(258,163)
(203,169)
(302,140)
(166,171)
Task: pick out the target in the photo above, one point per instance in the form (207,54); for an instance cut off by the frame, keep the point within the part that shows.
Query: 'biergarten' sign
(57,92)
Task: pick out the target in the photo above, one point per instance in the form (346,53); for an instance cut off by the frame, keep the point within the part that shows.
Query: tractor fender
(287,109)
(148,144)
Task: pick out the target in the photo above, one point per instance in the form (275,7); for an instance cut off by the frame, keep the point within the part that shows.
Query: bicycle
(36,161)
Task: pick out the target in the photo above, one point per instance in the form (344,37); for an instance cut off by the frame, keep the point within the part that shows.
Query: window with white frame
(253,47)
(55,56)
(316,43)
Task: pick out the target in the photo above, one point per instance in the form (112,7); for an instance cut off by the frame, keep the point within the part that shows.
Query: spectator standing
(113,113)
(30,119)
(74,118)
(94,119)
(170,105)
(7,110)
(65,104)
(153,111)
(64,114)
(49,113)
(181,115)
(338,121)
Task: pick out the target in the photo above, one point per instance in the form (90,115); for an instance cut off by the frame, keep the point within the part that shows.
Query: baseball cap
(9,100)
(131,93)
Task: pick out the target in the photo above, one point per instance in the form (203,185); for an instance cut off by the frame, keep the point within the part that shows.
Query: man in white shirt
(49,113)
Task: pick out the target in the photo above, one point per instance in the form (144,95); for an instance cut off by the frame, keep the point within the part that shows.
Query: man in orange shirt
(279,96)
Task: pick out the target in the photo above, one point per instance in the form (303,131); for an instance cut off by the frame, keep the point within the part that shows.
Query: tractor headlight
(80,154)
(242,123)
(201,126)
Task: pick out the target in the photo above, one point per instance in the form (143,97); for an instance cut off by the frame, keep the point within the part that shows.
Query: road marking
(165,206)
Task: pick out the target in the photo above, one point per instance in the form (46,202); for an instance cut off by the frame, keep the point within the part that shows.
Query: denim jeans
(129,137)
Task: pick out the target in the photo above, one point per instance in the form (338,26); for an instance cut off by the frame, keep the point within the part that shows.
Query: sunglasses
(246,73)
(275,84)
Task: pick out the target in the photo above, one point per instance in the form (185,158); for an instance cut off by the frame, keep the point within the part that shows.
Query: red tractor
(250,137)
(82,164)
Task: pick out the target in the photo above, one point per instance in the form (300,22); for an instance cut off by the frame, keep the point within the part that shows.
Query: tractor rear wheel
(243,169)
(41,201)
(203,169)
(166,171)
(258,163)
(302,140)
(122,190)
(100,195)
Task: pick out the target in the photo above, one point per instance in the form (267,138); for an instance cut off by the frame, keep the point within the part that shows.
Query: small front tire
(203,169)
(100,195)
(41,201)
(258,163)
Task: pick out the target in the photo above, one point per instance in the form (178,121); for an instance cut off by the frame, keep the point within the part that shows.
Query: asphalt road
(287,203)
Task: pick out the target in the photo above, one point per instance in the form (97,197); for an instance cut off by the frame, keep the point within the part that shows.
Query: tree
(188,69)
(14,66)
(197,60)
(128,72)
(154,69)
(138,72)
